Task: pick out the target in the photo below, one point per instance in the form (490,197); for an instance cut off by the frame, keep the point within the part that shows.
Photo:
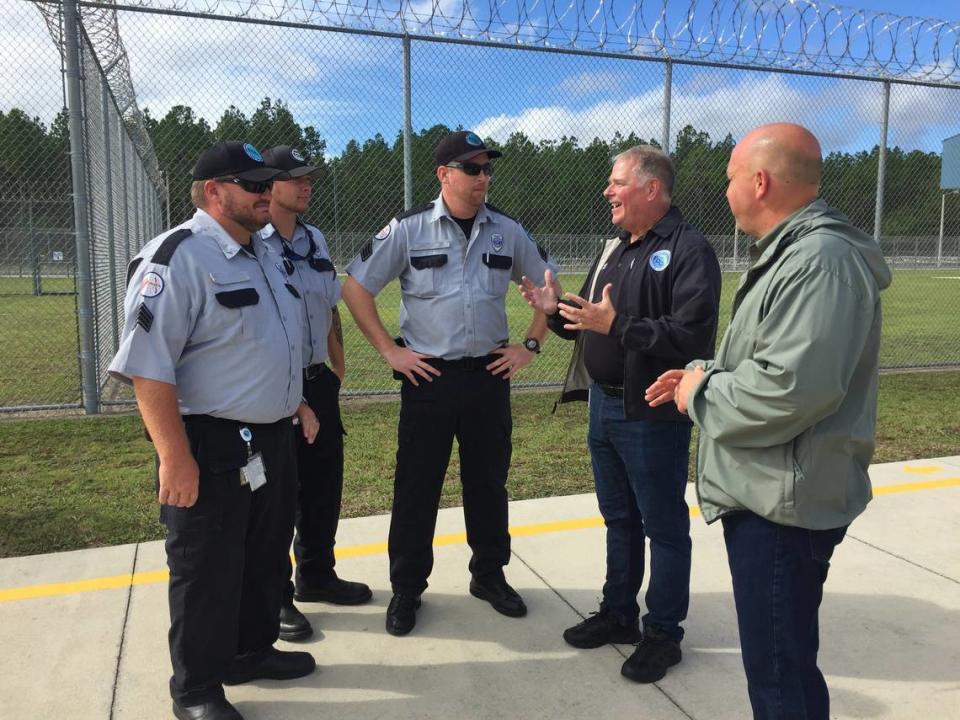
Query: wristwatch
(532,344)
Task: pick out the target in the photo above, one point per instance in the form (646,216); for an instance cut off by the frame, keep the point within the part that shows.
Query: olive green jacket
(787,410)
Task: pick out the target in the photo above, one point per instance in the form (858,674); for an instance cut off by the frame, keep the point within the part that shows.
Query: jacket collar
(203,222)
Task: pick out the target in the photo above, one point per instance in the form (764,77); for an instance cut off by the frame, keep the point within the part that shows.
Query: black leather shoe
(504,599)
(337,591)
(655,653)
(402,613)
(269,664)
(293,625)
(600,629)
(213,710)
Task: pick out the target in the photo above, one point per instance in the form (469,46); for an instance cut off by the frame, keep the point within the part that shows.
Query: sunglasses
(251,186)
(472,169)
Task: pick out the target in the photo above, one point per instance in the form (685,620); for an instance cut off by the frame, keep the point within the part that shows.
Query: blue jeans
(640,472)
(778,575)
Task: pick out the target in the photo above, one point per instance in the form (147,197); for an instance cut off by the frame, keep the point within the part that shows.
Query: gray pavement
(78,640)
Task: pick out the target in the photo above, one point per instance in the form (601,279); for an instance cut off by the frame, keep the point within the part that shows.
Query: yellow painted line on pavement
(153,577)
(922,469)
(911,487)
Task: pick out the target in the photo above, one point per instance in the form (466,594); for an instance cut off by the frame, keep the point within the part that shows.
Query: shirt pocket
(239,304)
(428,269)
(496,273)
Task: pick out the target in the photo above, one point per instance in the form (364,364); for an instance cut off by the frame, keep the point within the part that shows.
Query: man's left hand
(690,379)
(597,317)
(512,358)
(308,422)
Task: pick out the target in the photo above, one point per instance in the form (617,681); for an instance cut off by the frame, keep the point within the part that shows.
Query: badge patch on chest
(497,241)
(151,285)
(659,260)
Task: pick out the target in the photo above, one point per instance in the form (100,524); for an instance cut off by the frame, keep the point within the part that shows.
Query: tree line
(552,186)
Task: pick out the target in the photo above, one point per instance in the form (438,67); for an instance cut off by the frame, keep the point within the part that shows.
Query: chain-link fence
(339,85)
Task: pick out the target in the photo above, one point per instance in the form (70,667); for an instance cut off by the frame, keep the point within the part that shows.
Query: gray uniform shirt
(453,289)
(317,283)
(217,323)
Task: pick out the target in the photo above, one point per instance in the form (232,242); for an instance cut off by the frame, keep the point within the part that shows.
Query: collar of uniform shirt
(206,224)
(440,210)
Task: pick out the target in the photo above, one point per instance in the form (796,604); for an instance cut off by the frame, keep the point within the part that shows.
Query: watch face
(531,344)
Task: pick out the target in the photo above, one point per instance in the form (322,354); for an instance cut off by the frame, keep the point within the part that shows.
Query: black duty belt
(464,363)
(312,372)
(611,390)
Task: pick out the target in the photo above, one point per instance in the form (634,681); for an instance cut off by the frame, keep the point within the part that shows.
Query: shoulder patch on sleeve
(132,268)
(415,211)
(384,233)
(144,318)
(366,251)
(151,285)
(494,208)
(169,246)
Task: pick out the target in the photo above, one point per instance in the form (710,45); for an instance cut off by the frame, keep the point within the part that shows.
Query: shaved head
(790,153)
(773,172)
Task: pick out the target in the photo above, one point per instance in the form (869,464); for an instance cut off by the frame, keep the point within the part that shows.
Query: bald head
(777,170)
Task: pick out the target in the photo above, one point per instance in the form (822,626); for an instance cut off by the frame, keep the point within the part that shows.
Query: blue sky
(940,9)
(349,86)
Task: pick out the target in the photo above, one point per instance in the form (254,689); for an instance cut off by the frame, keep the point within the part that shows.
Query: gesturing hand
(597,317)
(543,298)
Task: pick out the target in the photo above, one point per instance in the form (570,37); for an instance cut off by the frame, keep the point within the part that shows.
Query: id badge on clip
(253,473)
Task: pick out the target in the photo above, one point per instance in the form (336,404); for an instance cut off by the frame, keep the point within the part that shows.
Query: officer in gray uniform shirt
(305,260)
(212,346)
(455,258)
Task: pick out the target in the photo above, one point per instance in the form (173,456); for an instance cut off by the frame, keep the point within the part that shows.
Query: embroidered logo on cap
(473,139)
(252,152)
(297,155)
(659,260)
(151,285)
(497,240)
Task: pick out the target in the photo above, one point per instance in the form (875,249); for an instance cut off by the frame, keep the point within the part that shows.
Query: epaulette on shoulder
(415,210)
(169,246)
(494,208)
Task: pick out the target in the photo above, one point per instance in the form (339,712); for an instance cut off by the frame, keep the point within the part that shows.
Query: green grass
(38,358)
(69,483)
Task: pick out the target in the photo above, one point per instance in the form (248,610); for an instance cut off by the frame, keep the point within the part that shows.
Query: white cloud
(843,114)
(589,83)
(30,77)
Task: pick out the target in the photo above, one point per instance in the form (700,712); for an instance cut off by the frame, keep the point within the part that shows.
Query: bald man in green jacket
(787,410)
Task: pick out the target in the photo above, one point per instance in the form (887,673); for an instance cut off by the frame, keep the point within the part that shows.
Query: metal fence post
(122,138)
(85,312)
(943,207)
(166,195)
(111,240)
(135,226)
(882,162)
(667,93)
(407,130)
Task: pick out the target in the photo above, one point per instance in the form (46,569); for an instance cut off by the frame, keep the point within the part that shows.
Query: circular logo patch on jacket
(659,260)
(151,285)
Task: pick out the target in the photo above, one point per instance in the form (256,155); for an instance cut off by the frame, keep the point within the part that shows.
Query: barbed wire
(803,35)
(103,32)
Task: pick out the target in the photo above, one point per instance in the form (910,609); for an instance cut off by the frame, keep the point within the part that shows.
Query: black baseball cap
(292,161)
(235,159)
(459,146)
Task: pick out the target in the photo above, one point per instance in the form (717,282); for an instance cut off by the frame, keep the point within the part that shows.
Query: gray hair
(651,162)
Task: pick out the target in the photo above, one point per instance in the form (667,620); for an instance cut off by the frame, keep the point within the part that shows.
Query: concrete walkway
(83,634)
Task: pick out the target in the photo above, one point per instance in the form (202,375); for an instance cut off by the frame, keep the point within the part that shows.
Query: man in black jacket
(649,303)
